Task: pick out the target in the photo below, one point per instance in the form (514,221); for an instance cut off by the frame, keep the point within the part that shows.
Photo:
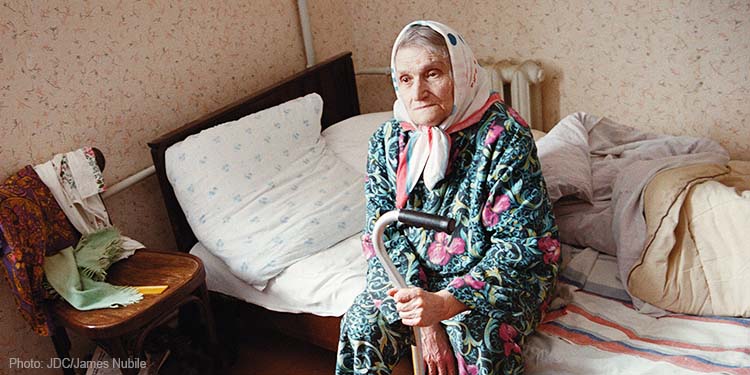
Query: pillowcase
(564,156)
(349,138)
(264,191)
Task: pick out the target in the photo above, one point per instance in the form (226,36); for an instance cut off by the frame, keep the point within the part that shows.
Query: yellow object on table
(151,289)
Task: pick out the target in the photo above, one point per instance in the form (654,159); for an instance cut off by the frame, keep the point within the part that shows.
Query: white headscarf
(428,149)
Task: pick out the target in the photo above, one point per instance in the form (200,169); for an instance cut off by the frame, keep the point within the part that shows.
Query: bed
(592,318)
(334,81)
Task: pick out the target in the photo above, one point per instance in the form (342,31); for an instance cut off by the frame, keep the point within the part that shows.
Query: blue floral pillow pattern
(265,191)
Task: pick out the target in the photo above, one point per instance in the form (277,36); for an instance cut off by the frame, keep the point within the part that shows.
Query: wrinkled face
(425,85)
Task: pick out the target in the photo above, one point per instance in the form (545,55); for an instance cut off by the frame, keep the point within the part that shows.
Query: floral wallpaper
(116,74)
(676,67)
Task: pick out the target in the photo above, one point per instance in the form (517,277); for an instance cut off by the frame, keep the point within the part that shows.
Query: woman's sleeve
(380,198)
(519,265)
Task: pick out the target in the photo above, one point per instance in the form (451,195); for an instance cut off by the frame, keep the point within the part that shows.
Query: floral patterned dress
(501,261)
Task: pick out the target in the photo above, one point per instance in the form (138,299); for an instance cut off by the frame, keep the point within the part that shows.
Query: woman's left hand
(418,307)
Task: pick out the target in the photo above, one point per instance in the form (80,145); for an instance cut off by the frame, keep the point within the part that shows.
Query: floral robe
(501,261)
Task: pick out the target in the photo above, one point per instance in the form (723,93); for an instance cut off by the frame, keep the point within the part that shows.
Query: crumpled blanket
(696,259)
(596,171)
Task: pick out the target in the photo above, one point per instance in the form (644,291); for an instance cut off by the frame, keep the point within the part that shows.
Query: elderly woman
(453,149)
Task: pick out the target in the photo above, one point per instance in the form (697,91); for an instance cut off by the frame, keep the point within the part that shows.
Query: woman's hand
(437,351)
(418,307)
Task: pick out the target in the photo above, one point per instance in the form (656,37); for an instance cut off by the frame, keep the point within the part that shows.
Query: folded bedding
(696,260)
(596,171)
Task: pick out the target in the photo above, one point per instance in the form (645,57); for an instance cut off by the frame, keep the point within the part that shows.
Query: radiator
(519,86)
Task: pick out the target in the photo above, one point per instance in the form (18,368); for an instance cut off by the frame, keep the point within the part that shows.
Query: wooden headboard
(332,79)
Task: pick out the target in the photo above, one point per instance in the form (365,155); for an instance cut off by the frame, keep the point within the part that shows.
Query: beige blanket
(697,256)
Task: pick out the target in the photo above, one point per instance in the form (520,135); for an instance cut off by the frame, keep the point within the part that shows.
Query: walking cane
(416,219)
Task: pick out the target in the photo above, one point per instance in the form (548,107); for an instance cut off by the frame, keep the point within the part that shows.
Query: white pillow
(264,191)
(564,156)
(349,138)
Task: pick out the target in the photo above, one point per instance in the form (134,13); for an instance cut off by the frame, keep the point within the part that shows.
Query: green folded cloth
(78,274)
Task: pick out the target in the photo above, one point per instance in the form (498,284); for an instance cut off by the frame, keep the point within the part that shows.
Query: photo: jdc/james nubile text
(75,363)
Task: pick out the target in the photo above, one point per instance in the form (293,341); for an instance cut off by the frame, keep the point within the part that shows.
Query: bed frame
(334,81)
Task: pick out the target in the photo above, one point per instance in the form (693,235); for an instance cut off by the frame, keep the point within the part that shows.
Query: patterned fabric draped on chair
(33,226)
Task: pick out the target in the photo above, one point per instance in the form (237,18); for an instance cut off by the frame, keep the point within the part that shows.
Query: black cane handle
(427,221)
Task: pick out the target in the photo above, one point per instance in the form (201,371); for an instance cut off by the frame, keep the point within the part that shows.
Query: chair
(120,332)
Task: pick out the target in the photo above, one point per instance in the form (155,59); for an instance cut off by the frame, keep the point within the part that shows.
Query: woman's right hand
(437,352)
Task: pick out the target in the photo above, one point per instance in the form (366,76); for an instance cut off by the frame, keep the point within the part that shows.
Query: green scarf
(78,274)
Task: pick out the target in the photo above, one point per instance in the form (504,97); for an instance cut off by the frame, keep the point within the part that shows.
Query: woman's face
(425,85)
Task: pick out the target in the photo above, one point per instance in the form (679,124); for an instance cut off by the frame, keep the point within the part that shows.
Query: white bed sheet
(323,284)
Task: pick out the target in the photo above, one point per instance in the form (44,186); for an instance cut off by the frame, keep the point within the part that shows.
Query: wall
(676,67)
(116,74)
(331,26)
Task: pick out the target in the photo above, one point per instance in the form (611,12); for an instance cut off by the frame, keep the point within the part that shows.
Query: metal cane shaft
(417,219)
(396,279)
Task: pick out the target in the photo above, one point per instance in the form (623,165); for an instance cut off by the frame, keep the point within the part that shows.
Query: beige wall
(676,67)
(116,74)
(332,27)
